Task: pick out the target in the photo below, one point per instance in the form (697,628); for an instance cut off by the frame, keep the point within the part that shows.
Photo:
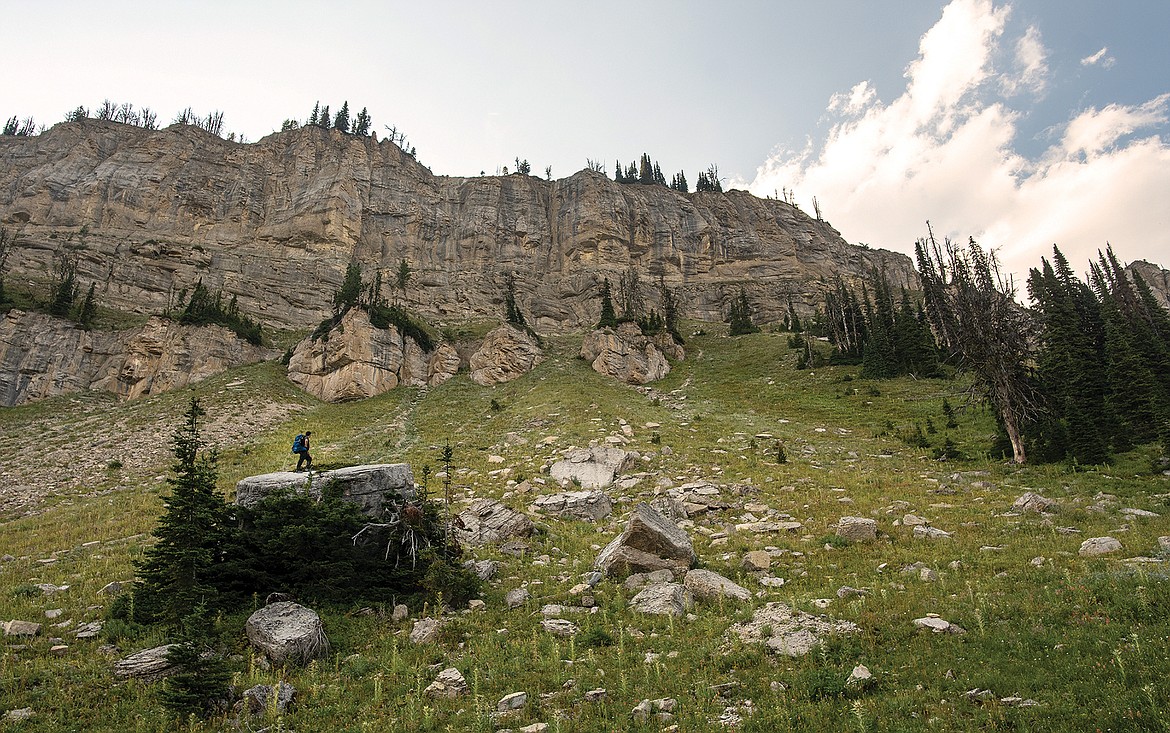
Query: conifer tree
(619,173)
(740,317)
(512,313)
(176,569)
(361,125)
(323,120)
(341,121)
(201,686)
(316,115)
(350,291)
(681,185)
(88,308)
(645,170)
(608,316)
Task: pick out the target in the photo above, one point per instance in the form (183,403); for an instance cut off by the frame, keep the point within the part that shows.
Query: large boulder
(627,354)
(592,468)
(287,632)
(649,542)
(507,352)
(709,584)
(487,521)
(366,486)
(663,599)
(355,360)
(589,505)
(147,665)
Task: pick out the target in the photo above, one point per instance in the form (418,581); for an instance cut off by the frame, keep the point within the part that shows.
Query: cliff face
(42,356)
(149,213)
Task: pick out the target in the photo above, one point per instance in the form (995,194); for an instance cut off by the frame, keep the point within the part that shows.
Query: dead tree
(973,310)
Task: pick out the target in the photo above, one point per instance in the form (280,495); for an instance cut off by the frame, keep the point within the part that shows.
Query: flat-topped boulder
(366,486)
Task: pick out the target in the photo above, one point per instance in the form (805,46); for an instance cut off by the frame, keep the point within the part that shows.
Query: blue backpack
(299,444)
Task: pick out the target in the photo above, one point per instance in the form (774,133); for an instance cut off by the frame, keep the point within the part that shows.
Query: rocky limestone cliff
(149,213)
(1156,277)
(356,360)
(42,356)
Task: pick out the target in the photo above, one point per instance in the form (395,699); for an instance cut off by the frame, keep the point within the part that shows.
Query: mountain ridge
(148,213)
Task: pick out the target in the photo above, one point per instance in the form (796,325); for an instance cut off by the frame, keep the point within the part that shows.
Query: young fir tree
(88,310)
(316,115)
(512,312)
(201,686)
(361,125)
(175,571)
(341,121)
(608,316)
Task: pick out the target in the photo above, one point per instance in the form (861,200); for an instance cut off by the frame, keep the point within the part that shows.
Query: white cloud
(943,151)
(1031,65)
(1100,57)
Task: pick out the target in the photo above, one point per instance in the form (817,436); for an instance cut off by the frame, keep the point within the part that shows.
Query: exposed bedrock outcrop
(275,222)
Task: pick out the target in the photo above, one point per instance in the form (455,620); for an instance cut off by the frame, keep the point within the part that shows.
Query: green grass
(1085,637)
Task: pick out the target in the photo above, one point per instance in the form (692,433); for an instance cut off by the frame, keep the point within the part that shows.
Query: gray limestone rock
(1099,546)
(592,468)
(21,628)
(448,684)
(649,542)
(147,665)
(1030,501)
(426,630)
(366,486)
(287,632)
(589,506)
(487,521)
(516,597)
(258,700)
(709,584)
(664,599)
(856,529)
(625,354)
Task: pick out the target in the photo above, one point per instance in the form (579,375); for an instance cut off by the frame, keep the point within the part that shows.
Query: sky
(1022,123)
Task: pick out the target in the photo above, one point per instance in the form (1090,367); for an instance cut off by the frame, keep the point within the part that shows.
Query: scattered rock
(1164,543)
(1030,501)
(147,665)
(938,625)
(708,584)
(514,701)
(930,533)
(665,599)
(593,468)
(856,529)
(18,715)
(49,589)
(483,569)
(257,701)
(287,632)
(649,542)
(115,587)
(21,628)
(756,561)
(400,613)
(89,630)
(590,506)
(1140,513)
(912,520)
(426,631)
(448,684)
(559,627)
(846,591)
(1099,546)
(859,676)
(790,632)
(487,521)
(516,597)
(534,728)
(663,708)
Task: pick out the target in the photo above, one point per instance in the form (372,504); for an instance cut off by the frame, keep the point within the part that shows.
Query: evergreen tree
(740,317)
(794,319)
(341,121)
(323,120)
(63,288)
(630,296)
(914,345)
(402,278)
(350,291)
(608,317)
(88,308)
(201,686)
(316,115)
(670,309)
(619,173)
(361,125)
(681,186)
(512,312)
(645,170)
(176,569)
(658,177)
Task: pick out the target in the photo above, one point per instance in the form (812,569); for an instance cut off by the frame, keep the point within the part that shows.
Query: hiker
(301,448)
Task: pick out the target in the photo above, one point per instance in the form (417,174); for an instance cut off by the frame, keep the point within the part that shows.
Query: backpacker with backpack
(299,444)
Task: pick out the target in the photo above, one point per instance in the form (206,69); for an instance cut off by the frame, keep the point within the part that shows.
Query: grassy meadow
(1087,639)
